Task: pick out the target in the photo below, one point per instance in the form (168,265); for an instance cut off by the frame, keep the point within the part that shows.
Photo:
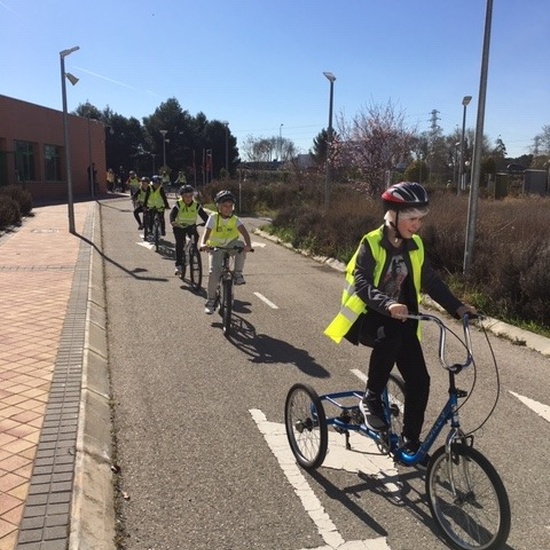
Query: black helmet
(223,196)
(156,179)
(404,195)
(184,189)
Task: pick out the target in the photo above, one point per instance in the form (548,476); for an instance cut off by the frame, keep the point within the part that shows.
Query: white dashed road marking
(540,408)
(264,299)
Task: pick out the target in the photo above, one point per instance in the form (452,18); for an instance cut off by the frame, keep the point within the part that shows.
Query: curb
(93,510)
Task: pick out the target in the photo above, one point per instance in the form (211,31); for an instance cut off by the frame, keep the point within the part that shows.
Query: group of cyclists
(223,229)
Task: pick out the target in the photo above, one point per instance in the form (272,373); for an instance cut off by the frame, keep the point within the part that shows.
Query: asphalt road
(196,415)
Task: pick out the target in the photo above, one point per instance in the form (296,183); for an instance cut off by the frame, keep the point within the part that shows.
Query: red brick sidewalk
(37,265)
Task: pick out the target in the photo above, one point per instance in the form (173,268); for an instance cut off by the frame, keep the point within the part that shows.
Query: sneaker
(238,279)
(140,227)
(209,307)
(373,411)
(178,271)
(410,447)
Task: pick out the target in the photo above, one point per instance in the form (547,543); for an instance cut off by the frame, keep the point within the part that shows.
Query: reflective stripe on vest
(352,306)
(223,233)
(187,214)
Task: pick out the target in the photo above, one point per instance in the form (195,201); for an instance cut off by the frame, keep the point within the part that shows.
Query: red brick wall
(20,120)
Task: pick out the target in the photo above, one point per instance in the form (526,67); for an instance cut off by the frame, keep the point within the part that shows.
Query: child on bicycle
(138,198)
(183,218)
(155,199)
(223,229)
(383,283)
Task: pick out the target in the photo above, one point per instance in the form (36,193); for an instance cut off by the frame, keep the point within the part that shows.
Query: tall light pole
(73,80)
(476,164)
(164,132)
(280,142)
(331,79)
(461,184)
(226,124)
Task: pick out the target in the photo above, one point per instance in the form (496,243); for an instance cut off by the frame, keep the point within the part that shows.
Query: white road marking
(146,244)
(257,245)
(364,457)
(264,299)
(540,408)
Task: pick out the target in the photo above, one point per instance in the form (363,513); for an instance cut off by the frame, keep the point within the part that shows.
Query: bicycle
(192,257)
(224,292)
(155,226)
(466,495)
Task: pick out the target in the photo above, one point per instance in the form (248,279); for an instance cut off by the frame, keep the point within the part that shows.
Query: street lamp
(226,124)
(73,80)
(331,79)
(476,161)
(461,184)
(280,142)
(164,132)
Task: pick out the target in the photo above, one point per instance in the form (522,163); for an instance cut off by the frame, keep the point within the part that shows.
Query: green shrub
(10,213)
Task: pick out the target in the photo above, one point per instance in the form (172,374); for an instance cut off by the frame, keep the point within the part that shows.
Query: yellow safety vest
(224,231)
(187,215)
(155,198)
(352,306)
(140,197)
(133,183)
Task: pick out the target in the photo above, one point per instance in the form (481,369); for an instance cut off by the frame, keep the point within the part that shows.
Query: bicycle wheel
(396,403)
(306,426)
(227,304)
(467,499)
(195,267)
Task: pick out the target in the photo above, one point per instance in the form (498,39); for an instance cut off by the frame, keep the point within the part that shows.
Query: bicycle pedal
(461,393)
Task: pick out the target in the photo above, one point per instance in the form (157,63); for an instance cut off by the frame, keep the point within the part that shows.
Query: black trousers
(179,235)
(399,345)
(137,211)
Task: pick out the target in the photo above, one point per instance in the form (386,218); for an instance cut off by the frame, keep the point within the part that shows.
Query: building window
(52,163)
(25,161)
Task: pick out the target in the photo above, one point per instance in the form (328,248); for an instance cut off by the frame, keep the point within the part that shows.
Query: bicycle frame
(390,441)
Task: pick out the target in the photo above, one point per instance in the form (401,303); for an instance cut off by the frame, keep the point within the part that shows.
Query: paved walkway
(47,290)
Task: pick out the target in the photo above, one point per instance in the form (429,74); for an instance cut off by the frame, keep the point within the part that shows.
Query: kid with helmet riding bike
(155,199)
(183,218)
(384,279)
(223,229)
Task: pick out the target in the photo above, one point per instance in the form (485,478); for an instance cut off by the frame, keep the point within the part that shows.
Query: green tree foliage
(190,140)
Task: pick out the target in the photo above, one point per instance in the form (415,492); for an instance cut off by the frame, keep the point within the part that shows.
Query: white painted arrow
(365,457)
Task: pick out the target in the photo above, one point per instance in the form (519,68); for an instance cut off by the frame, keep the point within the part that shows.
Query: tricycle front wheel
(306,426)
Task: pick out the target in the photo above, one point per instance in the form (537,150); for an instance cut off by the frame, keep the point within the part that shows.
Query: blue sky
(258,63)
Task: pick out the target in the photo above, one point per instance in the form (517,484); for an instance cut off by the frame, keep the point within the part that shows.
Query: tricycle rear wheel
(306,426)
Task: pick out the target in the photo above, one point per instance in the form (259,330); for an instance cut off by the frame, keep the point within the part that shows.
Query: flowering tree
(367,148)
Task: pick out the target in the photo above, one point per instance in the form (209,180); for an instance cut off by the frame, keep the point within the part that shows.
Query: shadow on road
(266,350)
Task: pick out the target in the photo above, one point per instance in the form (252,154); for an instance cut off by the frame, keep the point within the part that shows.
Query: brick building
(32,150)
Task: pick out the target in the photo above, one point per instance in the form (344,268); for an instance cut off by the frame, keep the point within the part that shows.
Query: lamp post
(226,124)
(331,78)
(73,80)
(461,184)
(476,161)
(280,142)
(164,132)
